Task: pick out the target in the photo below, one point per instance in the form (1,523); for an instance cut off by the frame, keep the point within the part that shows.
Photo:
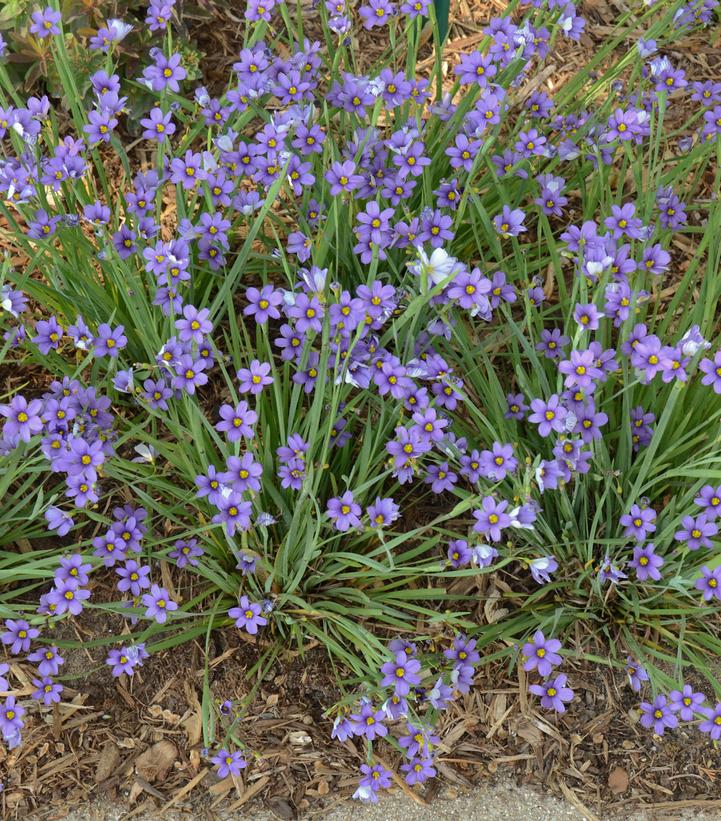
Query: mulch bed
(138,743)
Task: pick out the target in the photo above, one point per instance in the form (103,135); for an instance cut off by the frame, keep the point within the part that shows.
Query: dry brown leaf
(107,762)
(529,732)
(618,780)
(155,763)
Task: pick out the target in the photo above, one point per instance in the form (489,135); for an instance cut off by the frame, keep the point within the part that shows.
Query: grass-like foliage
(321,354)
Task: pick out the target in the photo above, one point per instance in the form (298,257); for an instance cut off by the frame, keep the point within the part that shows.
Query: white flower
(516,510)
(146,453)
(5,302)
(483,555)
(595,268)
(438,267)
(201,96)
(314,280)
(365,793)
(376,86)
(119,29)
(692,342)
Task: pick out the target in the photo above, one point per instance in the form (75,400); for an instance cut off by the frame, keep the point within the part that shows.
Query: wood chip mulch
(138,743)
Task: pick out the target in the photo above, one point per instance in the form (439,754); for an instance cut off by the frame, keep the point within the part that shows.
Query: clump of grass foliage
(497,308)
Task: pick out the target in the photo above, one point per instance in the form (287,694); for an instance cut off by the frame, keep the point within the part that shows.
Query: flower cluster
(415,696)
(343,319)
(541,654)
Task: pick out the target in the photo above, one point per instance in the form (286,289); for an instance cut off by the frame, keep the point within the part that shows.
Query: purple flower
(418,741)
(234,513)
(636,674)
(712,724)
(126,659)
(463,651)
(82,458)
(189,374)
(541,569)
(376,13)
(646,356)
(483,555)
(638,522)
(243,473)
(228,763)
(187,171)
(186,552)
(646,563)
(709,499)
(459,554)
(491,518)
(343,178)
(476,67)
(541,654)
(47,690)
(509,223)
(157,394)
(247,564)
(158,125)
(23,419)
(48,659)
(237,422)
(133,577)
(254,379)
(263,304)
(100,126)
(308,313)
(418,771)
(552,343)
(47,335)
(165,72)
(45,22)
(402,673)
(158,604)
(382,512)
(686,702)
(516,406)
(623,222)
(712,371)
(553,693)
(66,596)
(368,723)
(471,290)
(407,446)
(587,316)
(440,477)
(58,521)
(580,369)
(108,342)
(696,532)
(710,583)
(344,512)
(194,325)
(658,715)
(11,719)
(374,778)
(549,415)
(247,616)
(18,635)
(498,462)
